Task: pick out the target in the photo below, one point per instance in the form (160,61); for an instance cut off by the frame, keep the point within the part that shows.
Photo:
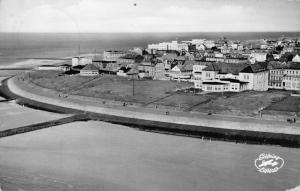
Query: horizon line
(153,32)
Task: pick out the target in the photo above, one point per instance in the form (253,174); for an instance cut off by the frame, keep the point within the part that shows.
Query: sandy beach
(30,63)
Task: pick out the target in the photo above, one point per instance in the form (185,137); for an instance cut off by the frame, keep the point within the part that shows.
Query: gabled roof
(256,67)
(277,65)
(212,67)
(226,68)
(90,67)
(187,66)
(132,71)
(296,58)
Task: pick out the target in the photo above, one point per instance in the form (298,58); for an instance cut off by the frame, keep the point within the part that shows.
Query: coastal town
(210,66)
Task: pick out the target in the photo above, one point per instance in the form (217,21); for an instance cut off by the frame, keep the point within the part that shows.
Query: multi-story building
(291,77)
(174,45)
(182,72)
(256,75)
(80,60)
(233,77)
(258,57)
(113,54)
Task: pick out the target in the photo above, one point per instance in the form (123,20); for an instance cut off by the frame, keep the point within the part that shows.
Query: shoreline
(153,124)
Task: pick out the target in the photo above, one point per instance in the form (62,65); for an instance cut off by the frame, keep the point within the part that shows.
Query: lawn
(290,104)
(244,104)
(163,93)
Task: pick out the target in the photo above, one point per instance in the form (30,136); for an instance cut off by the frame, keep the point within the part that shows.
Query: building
(105,66)
(89,70)
(224,85)
(160,72)
(182,72)
(233,77)
(174,45)
(65,67)
(123,71)
(113,54)
(258,57)
(276,70)
(291,77)
(147,69)
(197,74)
(78,60)
(49,67)
(257,75)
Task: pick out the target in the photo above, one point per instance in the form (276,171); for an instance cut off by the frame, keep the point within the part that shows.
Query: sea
(18,46)
(102,156)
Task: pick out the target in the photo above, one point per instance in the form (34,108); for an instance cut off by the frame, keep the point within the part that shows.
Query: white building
(209,43)
(113,54)
(81,61)
(49,67)
(174,45)
(291,78)
(258,57)
(233,77)
(256,75)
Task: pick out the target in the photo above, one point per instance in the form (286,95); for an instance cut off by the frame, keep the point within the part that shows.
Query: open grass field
(161,93)
(244,103)
(290,104)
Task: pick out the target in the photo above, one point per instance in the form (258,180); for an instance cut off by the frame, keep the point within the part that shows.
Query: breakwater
(38,126)
(164,126)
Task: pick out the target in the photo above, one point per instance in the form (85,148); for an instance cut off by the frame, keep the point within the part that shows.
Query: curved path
(28,90)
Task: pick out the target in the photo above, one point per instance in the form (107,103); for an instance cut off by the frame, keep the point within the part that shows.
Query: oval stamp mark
(268,163)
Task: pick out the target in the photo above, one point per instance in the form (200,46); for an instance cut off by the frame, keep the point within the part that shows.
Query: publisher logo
(268,163)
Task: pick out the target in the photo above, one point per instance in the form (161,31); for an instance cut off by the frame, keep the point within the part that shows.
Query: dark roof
(125,69)
(187,66)
(233,80)
(66,65)
(295,66)
(277,65)
(90,67)
(47,65)
(256,67)
(214,83)
(226,68)
(105,61)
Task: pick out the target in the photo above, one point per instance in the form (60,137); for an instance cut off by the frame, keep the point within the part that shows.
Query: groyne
(178,125)
(38,126)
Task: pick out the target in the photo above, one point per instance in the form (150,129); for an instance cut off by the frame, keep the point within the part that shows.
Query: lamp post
(133,86)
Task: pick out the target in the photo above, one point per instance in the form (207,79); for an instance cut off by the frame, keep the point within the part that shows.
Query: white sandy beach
(30,63)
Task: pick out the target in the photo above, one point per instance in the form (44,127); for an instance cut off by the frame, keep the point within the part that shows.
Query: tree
(138,59)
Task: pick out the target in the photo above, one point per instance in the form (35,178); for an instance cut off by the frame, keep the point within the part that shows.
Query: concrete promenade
(28,90)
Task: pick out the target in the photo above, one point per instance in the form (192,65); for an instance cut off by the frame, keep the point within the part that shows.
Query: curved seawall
(155,120)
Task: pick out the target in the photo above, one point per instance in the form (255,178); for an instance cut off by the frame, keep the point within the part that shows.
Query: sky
(82,16)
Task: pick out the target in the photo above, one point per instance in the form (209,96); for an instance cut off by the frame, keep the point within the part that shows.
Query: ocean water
(17,46)
(101,156)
